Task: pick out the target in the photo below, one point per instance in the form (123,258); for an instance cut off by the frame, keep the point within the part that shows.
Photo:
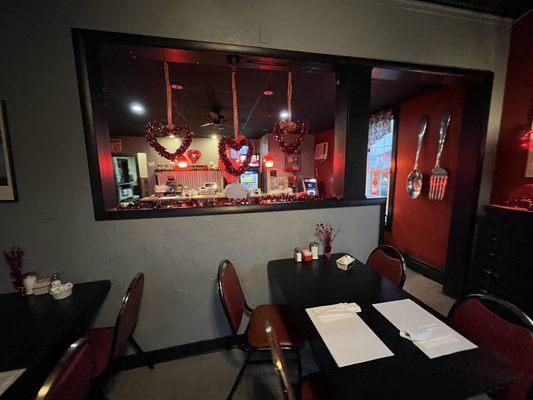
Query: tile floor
(210,376)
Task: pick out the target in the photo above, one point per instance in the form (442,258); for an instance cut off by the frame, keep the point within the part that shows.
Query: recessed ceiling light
(268,92)
(284,115)
(137,108)
(214,137)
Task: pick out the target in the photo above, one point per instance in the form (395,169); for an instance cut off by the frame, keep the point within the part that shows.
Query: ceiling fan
(214,118)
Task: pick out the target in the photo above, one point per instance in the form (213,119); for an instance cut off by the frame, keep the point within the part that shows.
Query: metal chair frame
(244,346)
(388,250)
(522,316)
(74,348)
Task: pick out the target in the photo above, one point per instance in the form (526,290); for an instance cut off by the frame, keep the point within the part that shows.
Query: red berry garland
(155,130)
(295,127)
(226,142)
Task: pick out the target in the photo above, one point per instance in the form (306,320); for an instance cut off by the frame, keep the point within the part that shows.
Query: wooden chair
(389,263)
(312,387)
(71,377)
(255,337)
(498,324)
(110,342)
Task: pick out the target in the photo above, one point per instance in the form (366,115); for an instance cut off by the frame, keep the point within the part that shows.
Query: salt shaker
(297,254)
(314,250)
(28,280)
(55,280)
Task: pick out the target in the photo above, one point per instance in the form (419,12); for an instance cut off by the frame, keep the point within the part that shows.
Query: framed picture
(8,191)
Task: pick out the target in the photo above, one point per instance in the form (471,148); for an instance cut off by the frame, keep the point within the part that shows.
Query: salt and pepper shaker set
(30,283)
(306,254)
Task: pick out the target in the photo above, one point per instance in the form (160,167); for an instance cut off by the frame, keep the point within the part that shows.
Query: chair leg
(239,376)
(299,361)
(139,350)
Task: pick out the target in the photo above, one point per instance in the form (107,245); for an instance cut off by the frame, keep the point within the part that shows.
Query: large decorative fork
(439,176)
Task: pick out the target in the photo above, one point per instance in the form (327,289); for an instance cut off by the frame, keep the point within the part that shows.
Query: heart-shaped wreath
(154,130)
(194,155)
(281,129)
(225,143)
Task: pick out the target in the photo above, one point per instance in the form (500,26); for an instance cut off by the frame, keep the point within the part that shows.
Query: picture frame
(8,189)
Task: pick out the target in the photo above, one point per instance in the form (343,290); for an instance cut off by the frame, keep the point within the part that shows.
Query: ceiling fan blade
(206,124)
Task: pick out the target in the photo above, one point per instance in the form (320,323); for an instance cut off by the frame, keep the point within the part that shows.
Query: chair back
(279,363)
(128,315)
(231,295)
(389,263)
(71,377)
(505,329)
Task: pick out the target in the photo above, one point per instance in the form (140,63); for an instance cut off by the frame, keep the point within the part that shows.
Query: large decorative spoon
(414,180)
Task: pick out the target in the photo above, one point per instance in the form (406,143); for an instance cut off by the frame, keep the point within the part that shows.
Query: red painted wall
(324,170)
(420,227)
(511,157)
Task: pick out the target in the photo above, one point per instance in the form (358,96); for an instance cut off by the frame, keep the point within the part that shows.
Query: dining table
(408,373)
(36,330)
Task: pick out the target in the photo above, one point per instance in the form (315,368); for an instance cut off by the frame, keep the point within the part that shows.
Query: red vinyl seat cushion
(387,266)
(283,321)
(102,341)
(483,327)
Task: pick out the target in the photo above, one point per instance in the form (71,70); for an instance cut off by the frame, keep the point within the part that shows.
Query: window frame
(353,73)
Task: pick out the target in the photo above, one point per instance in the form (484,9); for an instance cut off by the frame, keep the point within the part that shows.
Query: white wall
(179,255)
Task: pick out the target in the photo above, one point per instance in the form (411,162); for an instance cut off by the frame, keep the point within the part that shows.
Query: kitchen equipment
(29,280)
(439,176)
(414,179)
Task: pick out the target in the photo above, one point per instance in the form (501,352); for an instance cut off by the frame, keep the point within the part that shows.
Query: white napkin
(334,312)
(424,332)
(7,378)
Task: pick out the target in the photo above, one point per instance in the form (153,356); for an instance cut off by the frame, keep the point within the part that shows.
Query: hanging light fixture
(182,162)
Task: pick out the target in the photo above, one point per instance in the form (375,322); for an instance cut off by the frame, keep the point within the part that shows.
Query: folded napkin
(335,312)
(425,333)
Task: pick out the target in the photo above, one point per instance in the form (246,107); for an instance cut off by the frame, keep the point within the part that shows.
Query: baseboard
(175,353)
(425,269)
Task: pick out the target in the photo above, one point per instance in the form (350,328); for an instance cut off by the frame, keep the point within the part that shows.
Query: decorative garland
(238,142)
(236,145)
(194,155)
(301,128)
(153,130)
(224,201)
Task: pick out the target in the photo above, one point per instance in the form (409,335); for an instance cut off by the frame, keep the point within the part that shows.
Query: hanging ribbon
(235,105)
(289,96)
(169,95)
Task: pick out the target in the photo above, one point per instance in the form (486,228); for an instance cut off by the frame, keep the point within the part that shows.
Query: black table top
(409,374)
(36,330)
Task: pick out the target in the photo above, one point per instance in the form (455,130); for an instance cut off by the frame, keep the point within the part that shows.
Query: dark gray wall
(53,221)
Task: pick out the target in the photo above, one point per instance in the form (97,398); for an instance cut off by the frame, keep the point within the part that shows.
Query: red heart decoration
(300,128)
(194,155)
(154,130)
(226,143)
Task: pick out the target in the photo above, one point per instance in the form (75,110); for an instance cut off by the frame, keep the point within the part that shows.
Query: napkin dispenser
(345,262)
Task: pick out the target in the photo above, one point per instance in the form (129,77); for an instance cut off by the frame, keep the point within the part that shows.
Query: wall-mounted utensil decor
(439,176)
(414,179)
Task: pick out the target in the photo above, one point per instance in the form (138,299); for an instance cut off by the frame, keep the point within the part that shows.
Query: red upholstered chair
(389,263)
(110,342)
(495,323)
(312,387)
(280,316)
(71,377)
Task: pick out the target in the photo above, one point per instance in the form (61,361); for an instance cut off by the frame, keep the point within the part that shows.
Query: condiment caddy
(51,285)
